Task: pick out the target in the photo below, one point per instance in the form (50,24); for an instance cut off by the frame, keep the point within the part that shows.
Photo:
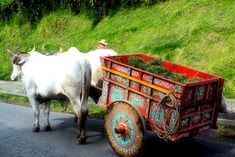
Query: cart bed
(197,103)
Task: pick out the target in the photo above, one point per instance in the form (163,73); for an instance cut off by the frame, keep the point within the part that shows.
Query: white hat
(103,42)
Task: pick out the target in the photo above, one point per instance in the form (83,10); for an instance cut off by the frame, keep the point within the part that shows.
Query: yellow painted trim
(139,81)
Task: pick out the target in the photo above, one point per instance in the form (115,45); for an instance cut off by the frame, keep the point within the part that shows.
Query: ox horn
(32,49)
(61,50)
(43,48)
(9,51)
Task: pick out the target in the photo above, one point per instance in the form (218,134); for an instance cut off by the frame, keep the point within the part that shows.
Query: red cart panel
(188,108)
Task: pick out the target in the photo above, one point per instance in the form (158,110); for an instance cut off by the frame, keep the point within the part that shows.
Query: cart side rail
(198,102)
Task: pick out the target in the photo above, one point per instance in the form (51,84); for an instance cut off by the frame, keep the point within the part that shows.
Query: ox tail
(86,83)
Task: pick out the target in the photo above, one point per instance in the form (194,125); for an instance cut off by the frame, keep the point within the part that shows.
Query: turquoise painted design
(137,100)
(119,79)
(129,71)
(127,80)
(178,88)
(207,116)
(200,93)
(102,100)
(165,84)
(134,85)
(157,94)
(161,95)
(196,119)
(127,143)
(153,111)
(162,116)
(173,115)
(120,116)
(147,106)
(149,91)
(190,110)
(147,78)
(144,89)
(116,93)
(159,114)
(121,69)
(185,122)
(135,73)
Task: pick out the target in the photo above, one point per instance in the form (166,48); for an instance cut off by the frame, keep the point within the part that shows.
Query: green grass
(94,111)
(199,34)
(226,134)
(19,100)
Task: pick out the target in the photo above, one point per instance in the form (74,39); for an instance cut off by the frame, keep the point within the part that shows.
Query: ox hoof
(36,129)
(81,141)
(75,119)
(47,128)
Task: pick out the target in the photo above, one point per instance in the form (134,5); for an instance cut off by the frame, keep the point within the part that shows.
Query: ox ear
(15,59)
(23,60)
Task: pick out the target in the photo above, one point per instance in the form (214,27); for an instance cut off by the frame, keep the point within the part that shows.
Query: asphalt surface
(18,140)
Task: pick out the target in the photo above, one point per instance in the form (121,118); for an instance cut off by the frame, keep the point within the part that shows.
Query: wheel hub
(120,129)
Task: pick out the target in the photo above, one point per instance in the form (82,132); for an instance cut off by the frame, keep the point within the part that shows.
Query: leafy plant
(156,67)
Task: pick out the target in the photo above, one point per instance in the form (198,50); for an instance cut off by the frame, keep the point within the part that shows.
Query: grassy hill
(199,34)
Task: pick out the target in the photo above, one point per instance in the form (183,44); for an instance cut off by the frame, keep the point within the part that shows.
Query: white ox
(66,76)
(94,59)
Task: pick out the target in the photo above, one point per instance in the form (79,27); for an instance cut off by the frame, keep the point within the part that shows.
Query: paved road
(17,140)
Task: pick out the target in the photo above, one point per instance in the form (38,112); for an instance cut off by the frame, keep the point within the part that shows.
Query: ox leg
(224,108)
(75,118)
(81,120)
(46,112)
(84,113)
(34,104)
(64,104)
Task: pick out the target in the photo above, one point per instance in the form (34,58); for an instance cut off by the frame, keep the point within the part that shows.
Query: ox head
(17,62)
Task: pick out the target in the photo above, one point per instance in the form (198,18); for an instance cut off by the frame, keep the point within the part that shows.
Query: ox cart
(137,100)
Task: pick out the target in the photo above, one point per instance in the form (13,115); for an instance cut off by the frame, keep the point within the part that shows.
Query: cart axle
(120,129)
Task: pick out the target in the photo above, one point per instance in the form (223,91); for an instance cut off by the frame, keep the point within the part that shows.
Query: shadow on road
(195,147)
(199,146)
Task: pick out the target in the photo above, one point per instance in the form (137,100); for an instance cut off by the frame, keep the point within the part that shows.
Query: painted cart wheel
(125,129)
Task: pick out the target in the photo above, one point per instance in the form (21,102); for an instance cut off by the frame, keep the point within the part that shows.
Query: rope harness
(168,128)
